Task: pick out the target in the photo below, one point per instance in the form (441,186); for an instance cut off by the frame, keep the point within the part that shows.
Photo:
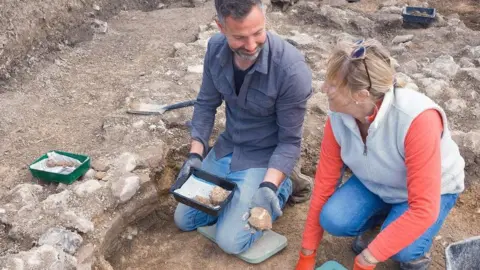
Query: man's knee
(182,218)
(335,223)
(233,242)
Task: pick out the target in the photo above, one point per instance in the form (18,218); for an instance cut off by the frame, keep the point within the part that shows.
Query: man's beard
(240,53)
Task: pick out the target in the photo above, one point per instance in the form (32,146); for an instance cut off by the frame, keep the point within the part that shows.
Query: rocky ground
(119,216)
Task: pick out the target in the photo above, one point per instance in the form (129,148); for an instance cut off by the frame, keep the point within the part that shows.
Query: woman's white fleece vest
(380,162)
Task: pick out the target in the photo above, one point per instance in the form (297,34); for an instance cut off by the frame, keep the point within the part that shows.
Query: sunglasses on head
(360,52)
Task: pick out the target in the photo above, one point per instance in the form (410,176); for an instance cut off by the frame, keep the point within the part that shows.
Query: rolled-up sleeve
(295,90)
(206,105)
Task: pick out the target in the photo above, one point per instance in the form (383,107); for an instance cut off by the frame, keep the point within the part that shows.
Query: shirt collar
(261,65)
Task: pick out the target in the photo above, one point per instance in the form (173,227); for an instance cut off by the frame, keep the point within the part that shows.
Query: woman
(407,170)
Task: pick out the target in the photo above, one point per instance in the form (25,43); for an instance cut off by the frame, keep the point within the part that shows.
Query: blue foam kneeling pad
(331,265)
(266,246)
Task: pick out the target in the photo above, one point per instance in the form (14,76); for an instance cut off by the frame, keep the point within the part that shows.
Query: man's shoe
(421,263)
(362,241)
(302,185)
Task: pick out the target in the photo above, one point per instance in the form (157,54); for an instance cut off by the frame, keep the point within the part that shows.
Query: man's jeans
(233,234)
(353,209)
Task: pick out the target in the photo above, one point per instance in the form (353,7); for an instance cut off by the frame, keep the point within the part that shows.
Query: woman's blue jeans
(353,209)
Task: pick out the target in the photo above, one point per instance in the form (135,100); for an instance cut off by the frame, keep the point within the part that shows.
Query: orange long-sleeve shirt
(423,162)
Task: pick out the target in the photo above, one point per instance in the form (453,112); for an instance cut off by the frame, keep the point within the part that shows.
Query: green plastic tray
(62,178)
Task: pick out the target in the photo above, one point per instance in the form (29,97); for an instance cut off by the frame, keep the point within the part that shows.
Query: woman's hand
(306,261)
(365,261)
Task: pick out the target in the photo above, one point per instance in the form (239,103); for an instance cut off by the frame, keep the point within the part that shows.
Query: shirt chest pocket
(258,103)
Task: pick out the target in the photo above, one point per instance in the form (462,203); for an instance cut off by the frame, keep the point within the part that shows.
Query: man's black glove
(194,160)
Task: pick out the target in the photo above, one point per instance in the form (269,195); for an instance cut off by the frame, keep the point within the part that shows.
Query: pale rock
(410,67)
(85,254)
(398,49)
(99,26)
(87,188)
(100,175)
(455,105)
(432,87)
(43,257)
(444,67)
(178,45)
(391,10)
(24,194)
(466,63)
(100,165)
(152,127)
(62,238)
(418,76)
(126,187)
(89,174)
(61,187)
(388,3)
(80,223)
(96,7)
(202,28)
(127,162)
(3,216)
(402,39)
(161,6)
(470,74)
(300,39)
(138,124)
(56,203)
(387,21)
(458,137)
(471,141)
(195,69)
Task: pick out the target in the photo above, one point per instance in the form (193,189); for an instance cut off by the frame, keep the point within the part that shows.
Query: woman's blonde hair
(347,72)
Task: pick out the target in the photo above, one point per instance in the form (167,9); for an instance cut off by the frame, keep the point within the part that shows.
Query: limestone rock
(101,165)
(472,141)
(99,26)
(260,219)
(402,39)
(126,187)
(300,39)
(70,219)
(43,257)
(466,63)
(61,238)
(472,75)
(89,174)
(391,10)
(444,67)
(100,175)
(127,162)
(455,105)
(195,69)
(432,87)
(410,67)
(86,188)
(24,194)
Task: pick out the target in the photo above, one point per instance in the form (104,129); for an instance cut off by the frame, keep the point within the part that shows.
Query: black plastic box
(222,182)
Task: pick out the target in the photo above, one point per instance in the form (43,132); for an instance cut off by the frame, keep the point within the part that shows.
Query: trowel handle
(179,105)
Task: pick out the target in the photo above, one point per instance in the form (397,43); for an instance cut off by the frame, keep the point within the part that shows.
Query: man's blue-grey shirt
(264,123)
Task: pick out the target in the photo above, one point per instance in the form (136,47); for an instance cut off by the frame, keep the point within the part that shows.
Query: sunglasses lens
(359,52)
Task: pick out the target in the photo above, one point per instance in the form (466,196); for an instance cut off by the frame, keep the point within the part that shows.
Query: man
(265,84)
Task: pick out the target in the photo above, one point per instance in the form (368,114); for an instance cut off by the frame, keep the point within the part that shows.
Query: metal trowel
(137,107)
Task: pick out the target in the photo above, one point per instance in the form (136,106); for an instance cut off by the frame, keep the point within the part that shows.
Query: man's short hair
(237,9)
